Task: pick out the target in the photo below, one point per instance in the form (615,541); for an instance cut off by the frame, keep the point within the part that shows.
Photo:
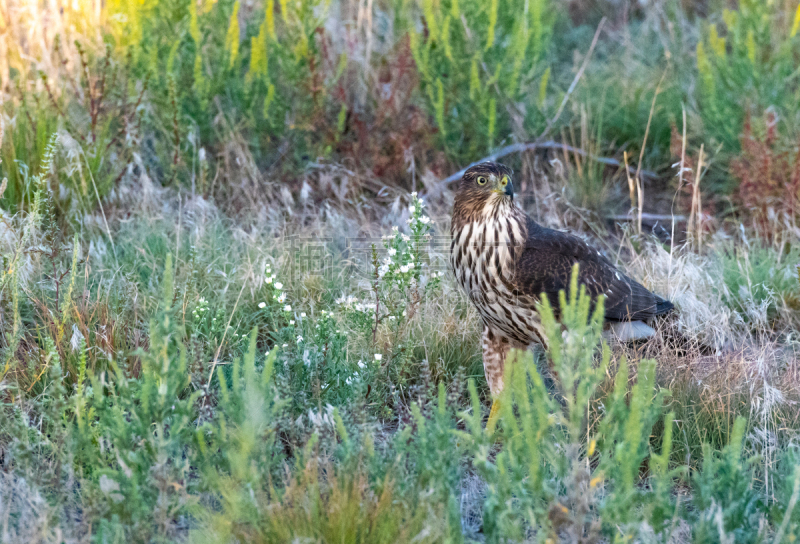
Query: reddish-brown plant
(768,171)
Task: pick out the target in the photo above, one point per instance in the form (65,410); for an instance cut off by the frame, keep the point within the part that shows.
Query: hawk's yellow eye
(481,180)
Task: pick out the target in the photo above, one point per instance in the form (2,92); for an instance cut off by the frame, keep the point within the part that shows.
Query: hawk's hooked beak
(507,186)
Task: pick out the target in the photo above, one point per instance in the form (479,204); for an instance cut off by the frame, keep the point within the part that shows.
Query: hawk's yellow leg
(495,347)
(494,414)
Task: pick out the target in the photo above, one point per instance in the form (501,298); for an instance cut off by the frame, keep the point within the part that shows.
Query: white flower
(382,270)
(287,308)
(278,285)
(406,238)
(392,252)
(378,356)
(262,304)
(412,209)
(394,228)
(348,381)
(361,364)
(291,322)
(281,297)
(410,266)
(404,268)
(425,219)
(269,279)
(414,194)
(302,314)
(285,345)
(299,338)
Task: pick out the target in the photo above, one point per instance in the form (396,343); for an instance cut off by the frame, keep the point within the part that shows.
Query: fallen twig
(647,217)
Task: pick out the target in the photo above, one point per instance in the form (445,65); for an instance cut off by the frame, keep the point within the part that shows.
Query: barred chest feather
(483,256)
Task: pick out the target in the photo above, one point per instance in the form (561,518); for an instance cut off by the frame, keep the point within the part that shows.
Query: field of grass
(226,313)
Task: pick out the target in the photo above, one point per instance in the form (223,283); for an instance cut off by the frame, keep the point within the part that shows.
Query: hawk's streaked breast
(483,257)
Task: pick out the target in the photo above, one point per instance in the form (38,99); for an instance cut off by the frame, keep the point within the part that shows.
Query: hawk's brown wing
(545,266)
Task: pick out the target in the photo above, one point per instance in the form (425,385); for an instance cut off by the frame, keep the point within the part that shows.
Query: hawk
(505,262)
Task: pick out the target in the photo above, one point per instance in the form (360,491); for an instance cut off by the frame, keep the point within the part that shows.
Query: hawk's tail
(663,306)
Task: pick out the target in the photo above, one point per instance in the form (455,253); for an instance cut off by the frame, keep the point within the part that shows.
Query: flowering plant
(404,266)
(401,278)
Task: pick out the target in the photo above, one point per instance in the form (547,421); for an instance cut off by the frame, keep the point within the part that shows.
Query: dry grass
(26,515)
(37,42)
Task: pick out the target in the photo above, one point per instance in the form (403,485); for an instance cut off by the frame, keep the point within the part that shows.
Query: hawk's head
(484,187)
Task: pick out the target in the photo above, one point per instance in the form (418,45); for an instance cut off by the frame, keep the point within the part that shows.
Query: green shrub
(22,152)
(135,451)
(759,282)
(784,509)
(747,63)
(726,503)
(478,62)
(433,477)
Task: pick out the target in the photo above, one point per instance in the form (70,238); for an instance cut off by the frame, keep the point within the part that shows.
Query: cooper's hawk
(505,262)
